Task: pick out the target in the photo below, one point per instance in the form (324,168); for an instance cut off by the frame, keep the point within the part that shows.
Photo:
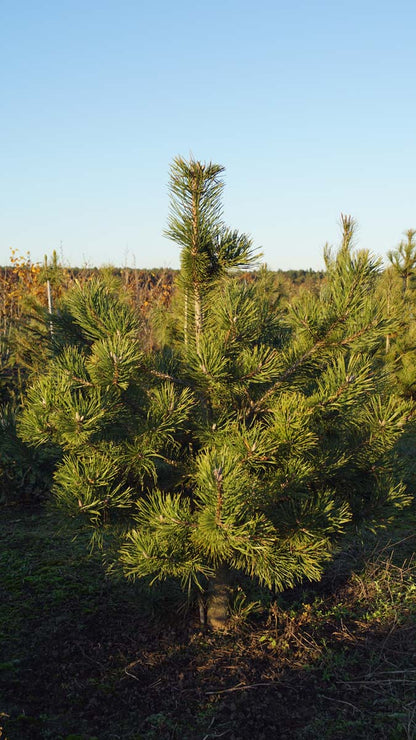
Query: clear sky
(309,104)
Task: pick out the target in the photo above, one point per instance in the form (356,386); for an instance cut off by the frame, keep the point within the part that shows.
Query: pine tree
(249,447)
(24,350)
(398,286)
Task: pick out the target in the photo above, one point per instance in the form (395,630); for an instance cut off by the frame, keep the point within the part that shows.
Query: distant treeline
(23,279)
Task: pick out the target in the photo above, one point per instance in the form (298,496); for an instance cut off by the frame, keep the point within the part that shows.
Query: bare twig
(375,681)
(166,376)
(243,687)
(341,701)
(130,674)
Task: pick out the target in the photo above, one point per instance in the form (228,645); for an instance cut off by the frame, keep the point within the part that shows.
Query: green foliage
(98,402)
(98,315)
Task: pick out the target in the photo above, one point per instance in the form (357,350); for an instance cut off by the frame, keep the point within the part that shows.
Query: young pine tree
(403,259)
(399,287)
(247,446)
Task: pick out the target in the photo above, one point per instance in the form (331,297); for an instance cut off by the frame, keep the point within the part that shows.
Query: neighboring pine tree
(25,473)
(247,446)
(398,286)
(403,259)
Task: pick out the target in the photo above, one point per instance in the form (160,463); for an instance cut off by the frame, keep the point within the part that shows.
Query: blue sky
(310,106)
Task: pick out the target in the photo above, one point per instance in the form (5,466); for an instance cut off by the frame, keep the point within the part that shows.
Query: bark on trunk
(219,599)
(185,319)
(201,608)
(198,316)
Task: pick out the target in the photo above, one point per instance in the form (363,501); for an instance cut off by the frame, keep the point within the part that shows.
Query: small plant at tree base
(246,446)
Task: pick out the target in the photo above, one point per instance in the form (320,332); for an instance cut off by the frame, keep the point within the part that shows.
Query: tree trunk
(219,599)
(185,319)
(198,315)
(201,608)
